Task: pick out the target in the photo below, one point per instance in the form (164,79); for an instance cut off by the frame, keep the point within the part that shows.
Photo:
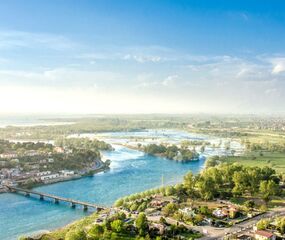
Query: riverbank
(160,155)
(103,167)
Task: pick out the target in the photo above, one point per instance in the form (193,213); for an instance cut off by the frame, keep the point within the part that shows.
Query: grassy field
(274,160)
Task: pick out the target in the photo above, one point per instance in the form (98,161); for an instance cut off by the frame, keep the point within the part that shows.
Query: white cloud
(59,76)
(20,39)
(278,65)
(169,80)
(142,58)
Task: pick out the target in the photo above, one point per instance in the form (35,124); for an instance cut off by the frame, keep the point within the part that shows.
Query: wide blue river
(131,171)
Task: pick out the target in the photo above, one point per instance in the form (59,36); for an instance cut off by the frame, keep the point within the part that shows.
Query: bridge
(73,203)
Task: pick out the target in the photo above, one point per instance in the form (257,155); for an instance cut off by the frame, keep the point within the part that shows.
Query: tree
(263,224)
(96,231)
(280,223)
(239,179)
(268,189)
(206,188)
(141,224)
(199,218)
(204,210)
(249,204)
(117,225)
(119,202)
(189,182)
(169,190)
(75,234)
(169,209)
(212,161)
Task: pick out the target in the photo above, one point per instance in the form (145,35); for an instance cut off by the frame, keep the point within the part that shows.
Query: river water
(131,171)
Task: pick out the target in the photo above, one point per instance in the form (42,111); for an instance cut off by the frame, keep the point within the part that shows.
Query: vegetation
(171,152)
(83,143)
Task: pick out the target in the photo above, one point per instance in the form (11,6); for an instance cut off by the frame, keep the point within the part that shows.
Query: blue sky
(142,56)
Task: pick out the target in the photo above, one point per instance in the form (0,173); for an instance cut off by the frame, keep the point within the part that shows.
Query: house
(50,160)
(59,150)
(49,177)
(31,153)
(230,211)
(66,173)
(219,213)
(8,155)
(43,161)
(43,173)
(264,235)
(188,212)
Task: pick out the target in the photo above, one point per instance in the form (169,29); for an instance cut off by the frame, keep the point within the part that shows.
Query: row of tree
(227,180)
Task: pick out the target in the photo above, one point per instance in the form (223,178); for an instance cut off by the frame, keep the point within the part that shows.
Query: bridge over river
(55,198)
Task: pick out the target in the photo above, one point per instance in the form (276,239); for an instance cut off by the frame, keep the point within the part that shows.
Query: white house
(49,177)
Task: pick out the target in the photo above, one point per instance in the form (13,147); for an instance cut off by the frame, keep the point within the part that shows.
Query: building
(188,212)
(43,173)
(8,155)
(264,235)
(219,213)
(66,173)
(59,150)
(49,177)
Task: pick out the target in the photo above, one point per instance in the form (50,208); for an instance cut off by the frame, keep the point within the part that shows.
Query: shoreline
(158,155)
(102,168)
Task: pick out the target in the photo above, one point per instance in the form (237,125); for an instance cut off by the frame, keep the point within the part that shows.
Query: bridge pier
(99,209)
(56,199)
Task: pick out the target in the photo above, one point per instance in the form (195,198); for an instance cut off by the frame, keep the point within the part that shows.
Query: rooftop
(264,233)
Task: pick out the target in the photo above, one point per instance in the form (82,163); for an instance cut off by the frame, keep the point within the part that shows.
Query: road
(211,233)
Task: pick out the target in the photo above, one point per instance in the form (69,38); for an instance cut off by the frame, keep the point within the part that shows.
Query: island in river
(172,152)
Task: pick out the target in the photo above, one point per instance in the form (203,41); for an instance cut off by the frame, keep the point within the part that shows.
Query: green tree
(96,231)
(280,223)
(117,225)
(142,224)
(119,202)
(249,204)
(262,224)
(189,182)
(268,189)
(75,234)
(169,209)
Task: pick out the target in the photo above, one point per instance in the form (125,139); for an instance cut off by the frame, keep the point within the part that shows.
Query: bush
(117,226)
(75,234)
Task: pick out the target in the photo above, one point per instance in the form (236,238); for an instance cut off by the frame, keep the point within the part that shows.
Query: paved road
(211,233)
(219,233)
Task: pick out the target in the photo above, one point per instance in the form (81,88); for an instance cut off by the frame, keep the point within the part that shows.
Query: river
(131,171)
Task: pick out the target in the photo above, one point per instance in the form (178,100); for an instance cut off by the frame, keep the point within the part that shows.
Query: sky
(142,56)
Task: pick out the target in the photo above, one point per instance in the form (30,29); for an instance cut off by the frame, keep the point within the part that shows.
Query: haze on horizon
(132,56)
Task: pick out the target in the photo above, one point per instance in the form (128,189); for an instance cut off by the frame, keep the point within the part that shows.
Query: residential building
(264,235)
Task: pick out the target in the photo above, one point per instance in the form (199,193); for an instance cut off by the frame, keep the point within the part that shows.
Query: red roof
(264,233)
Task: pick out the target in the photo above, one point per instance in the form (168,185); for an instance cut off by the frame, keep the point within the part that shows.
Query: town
(206,206)
(29,164)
